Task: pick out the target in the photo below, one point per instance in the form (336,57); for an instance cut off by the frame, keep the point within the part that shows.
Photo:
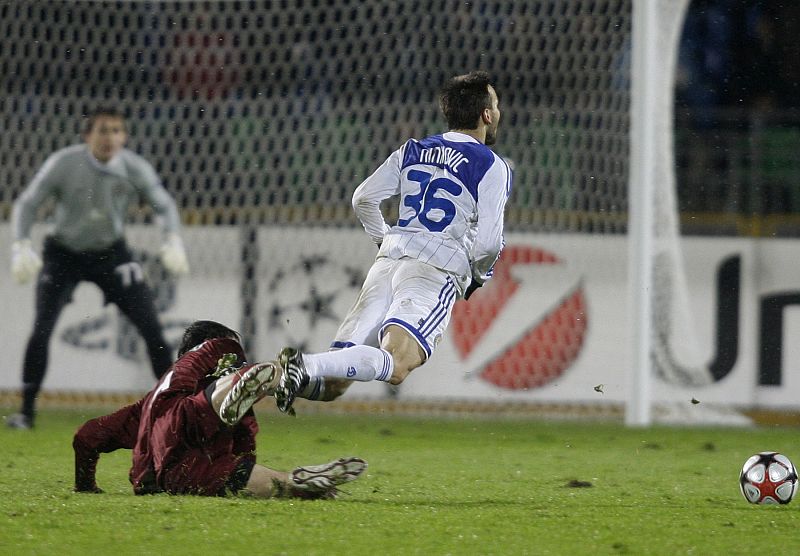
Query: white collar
(459,137)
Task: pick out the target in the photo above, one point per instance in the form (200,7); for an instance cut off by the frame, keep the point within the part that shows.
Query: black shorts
(239,477)
(113,269)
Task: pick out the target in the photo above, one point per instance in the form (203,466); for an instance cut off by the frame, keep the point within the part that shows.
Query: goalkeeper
(91,186)
(194,433)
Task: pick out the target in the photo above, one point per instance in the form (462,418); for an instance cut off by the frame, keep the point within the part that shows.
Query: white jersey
(92,198)
(453,190)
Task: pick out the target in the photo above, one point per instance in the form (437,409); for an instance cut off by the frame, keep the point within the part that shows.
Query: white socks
(362,363)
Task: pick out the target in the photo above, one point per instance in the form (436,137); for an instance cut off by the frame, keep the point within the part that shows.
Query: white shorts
(408,293)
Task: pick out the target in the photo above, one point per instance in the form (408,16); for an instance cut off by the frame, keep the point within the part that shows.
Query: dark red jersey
(171,429)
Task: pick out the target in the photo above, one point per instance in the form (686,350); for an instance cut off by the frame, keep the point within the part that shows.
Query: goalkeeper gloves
(25,263)
(173,255)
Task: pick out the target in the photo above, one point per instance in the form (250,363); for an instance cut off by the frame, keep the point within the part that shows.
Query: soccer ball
(768,478)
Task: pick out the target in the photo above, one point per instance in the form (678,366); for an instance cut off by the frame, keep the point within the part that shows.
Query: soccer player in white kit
(453,190)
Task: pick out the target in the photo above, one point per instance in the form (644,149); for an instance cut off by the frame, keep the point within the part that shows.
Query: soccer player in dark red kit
(195,432)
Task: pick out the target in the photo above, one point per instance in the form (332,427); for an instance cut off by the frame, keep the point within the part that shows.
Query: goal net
(263,116)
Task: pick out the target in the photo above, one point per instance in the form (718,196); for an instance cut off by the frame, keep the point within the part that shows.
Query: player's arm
(25,262)
(195,365)
(172,253)
(40,187)
(154,193)
(493,192)
(101,436)
(367,198)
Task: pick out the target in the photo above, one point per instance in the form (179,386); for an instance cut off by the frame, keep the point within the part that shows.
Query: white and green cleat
(253,384)
(326,477)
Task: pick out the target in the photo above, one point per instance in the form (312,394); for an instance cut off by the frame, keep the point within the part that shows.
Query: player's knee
(406,353)
(397,378)
(404,363)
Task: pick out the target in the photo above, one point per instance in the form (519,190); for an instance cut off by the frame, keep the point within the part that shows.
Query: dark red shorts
(196,475)
(193,452)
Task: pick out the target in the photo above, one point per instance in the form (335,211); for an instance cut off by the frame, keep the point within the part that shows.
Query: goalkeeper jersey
(92,198)
(453,190)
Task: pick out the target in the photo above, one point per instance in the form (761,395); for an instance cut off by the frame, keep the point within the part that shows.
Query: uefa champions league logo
(306,300)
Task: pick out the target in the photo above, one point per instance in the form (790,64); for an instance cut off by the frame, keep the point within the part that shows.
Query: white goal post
(642,184)
(654,46)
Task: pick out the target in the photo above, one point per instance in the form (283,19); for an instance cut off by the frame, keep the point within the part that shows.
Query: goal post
(641,187)
(652,220)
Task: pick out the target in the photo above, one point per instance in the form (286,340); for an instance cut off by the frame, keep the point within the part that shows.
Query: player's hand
(173,255)
(25,263)
(471,289)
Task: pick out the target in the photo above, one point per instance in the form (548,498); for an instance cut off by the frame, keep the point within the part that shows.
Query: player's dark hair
(101,111)
(464,97)
(201,330)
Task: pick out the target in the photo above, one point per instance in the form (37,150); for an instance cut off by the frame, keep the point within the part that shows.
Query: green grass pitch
(434,486)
